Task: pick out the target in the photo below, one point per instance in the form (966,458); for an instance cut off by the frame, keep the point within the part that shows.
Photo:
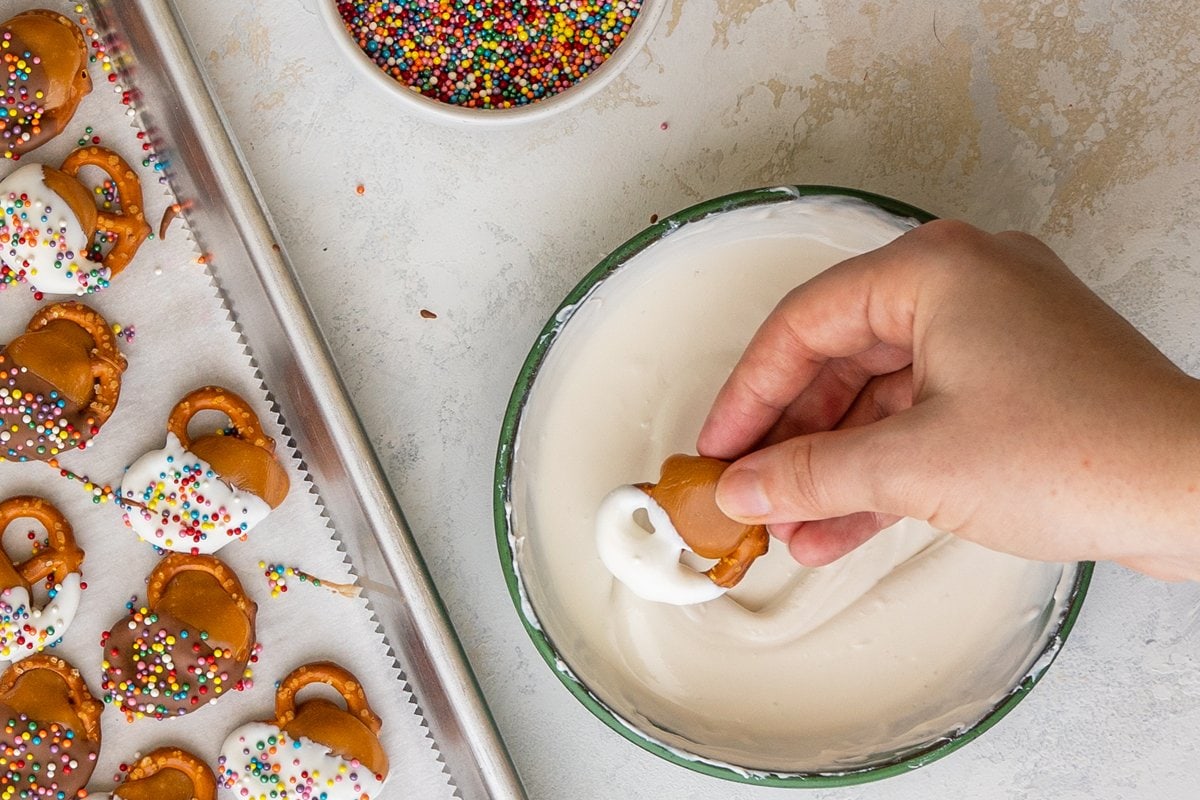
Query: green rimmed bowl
(873,766)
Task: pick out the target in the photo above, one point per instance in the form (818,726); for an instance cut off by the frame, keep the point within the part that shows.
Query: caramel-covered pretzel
(313,747)
(107,361)
(129,226)
(25,628)
(168,773)
(63,380)
(26,689)
(687,491)
(189,645)
(340,679)
(247,458)
(43,92)
(62,557)
(196,495)
(654,562)
(50,738)
(174,565)
(352,732)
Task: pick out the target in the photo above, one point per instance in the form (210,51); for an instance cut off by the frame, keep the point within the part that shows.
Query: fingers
(821,542)
(878,467)
(862,303)
(824,403)
(881,397)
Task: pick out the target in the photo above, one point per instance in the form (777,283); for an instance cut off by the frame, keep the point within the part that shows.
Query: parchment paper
(185,338)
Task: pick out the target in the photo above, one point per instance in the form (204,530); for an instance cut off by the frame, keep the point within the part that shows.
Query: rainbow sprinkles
(488,54)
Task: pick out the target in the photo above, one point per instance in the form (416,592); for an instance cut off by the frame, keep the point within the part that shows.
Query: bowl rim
(502,494)
(640,31)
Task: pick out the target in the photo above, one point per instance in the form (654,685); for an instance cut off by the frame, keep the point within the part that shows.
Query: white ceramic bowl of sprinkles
(611,32)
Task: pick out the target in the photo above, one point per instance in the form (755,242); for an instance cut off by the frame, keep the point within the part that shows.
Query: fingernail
(740,495)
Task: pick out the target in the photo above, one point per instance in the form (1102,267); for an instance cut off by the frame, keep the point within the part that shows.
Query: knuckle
(803,472)
(949,234)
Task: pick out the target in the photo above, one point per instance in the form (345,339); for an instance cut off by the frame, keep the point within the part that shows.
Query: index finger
(854,305)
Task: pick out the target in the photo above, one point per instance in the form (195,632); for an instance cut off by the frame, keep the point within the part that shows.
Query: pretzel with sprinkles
(24,628)
(165,773)
(129,225)
(313,748)
(59,382)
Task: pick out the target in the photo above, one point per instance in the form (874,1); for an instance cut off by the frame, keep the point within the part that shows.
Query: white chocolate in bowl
(913,637)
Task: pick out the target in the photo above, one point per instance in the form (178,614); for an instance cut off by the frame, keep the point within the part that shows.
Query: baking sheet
(185,336)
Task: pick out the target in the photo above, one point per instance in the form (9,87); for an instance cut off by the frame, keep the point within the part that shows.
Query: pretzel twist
(173,564)
(62,557)
(333,675)
(107,361)
(129,225)
(82,702)
(731,567)
(204,783)
(245,422)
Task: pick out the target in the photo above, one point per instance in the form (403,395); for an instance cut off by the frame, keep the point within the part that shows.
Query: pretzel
(683,510)
(311,747)
(352,732)
(25,629)
(63,377)
(168,773)
(196,495)
(173,565)
(342,680)
(189,645)
(43,100)
(62,557)
(245,459)
(45,696)
(129,225)
(687,491)
(86,708)
(216,398)
(107,361)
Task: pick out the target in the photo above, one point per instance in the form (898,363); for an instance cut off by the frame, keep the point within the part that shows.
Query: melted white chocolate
(913,637)
(177,501)
(259,761)
(648,562)
(26,629)
(41,239)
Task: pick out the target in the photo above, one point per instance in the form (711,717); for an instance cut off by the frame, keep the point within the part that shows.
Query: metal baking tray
(227,216)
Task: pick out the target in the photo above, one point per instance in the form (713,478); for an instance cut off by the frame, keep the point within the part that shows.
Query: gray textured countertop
(1074,120)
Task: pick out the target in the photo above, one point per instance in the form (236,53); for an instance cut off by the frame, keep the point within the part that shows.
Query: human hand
(970,380)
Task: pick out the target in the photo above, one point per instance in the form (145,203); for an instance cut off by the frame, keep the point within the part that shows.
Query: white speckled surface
(1076,120)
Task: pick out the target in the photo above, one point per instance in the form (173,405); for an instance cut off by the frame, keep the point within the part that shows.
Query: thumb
(872,467)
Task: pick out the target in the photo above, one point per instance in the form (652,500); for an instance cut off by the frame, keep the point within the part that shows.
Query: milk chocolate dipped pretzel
(189,645)
(52,733)
(59,382)
(197,495)
(45,58)
(24,629)
(682,509)
(167,773)
(50,223)
(315,747)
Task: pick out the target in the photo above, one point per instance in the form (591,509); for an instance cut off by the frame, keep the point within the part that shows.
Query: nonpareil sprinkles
(488,53)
